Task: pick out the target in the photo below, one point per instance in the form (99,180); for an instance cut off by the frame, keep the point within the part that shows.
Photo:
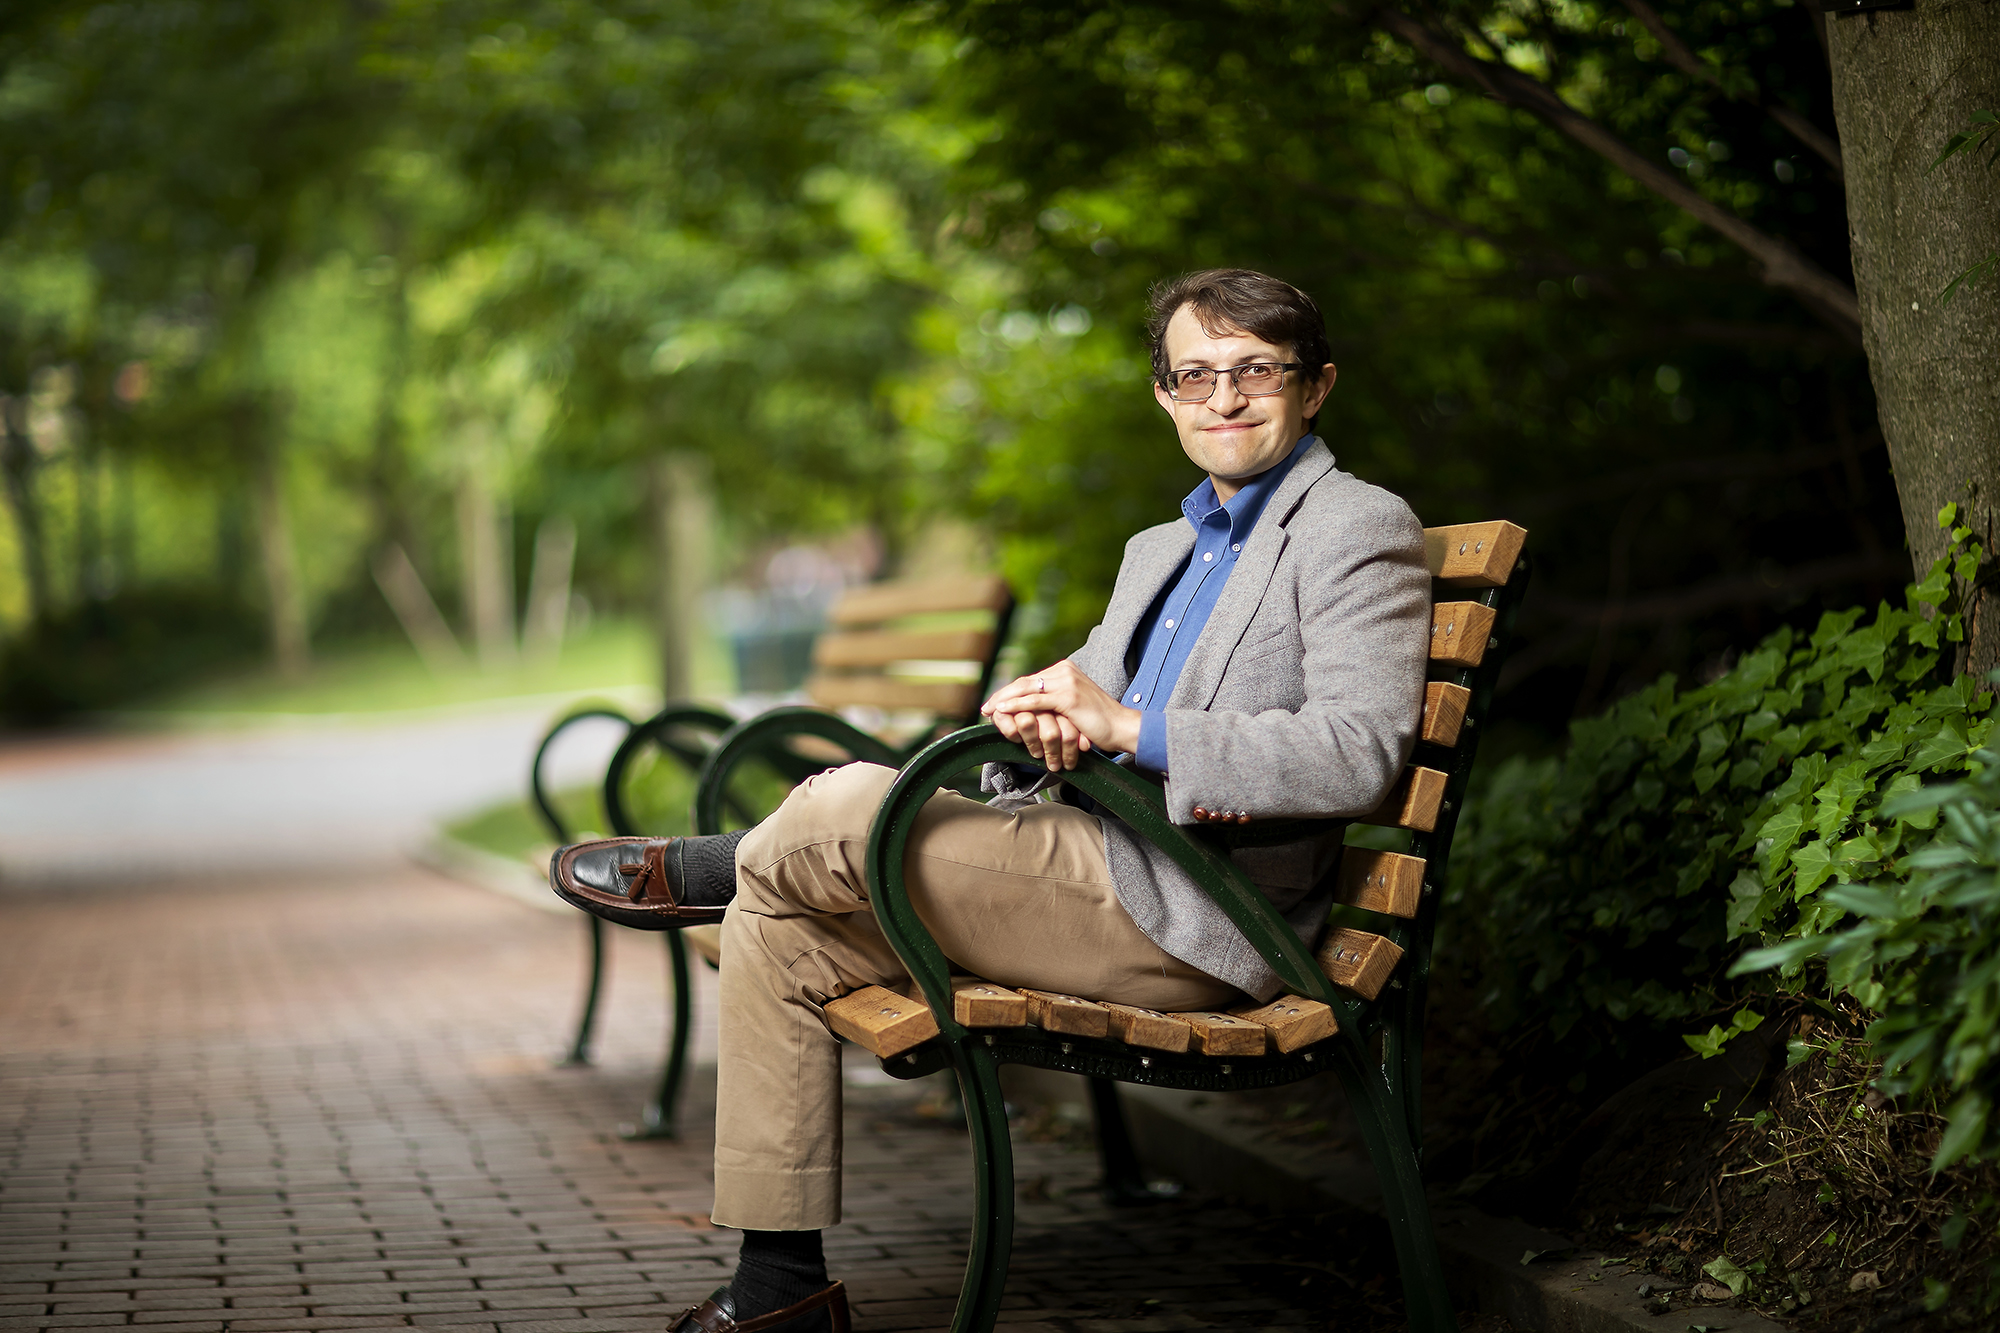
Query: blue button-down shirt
(1175,621)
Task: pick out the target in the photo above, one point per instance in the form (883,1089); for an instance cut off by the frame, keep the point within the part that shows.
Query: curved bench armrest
(655,729)
(539,793)
(1124,793)
(764,737)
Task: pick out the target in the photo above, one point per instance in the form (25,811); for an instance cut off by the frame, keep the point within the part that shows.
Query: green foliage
(1919,942)
(1597,895)
(1711,1043)
(1521,330)
(103,653)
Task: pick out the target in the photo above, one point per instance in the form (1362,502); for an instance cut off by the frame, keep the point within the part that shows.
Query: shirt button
(1170,624)
(1237,547)
(1135,698)
(1208,555)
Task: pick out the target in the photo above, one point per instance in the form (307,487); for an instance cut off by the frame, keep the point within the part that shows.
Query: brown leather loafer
(624,880)
(717,1314)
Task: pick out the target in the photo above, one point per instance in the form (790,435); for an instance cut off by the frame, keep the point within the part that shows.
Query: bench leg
(1124,1182)
(992,1186)
(1379,1110)
(658,1119)
(586,1025)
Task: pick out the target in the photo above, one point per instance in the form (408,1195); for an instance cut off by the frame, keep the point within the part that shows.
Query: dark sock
(702,871)
(775,1269)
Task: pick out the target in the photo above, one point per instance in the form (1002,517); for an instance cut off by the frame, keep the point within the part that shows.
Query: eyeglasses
(1255,379)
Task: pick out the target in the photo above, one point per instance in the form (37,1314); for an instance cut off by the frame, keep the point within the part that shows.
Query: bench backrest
(1472,566)
(923,645)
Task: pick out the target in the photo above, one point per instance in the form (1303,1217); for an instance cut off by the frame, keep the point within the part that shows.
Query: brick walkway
(320,1103)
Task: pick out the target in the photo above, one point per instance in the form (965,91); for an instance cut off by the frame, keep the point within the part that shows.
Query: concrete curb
(483,869)
(1203,1141)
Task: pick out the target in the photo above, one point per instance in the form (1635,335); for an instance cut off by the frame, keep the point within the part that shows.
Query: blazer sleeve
(1363,594)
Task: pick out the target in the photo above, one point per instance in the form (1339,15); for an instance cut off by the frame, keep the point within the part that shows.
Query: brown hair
(1228,300)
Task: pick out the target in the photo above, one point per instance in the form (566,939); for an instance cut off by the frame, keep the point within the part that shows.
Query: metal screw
(1145,1062)
(911,1058)
(989,1039)
(1226,1068)
(1065,1048)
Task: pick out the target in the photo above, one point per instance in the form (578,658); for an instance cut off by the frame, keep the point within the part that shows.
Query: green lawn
(613,656)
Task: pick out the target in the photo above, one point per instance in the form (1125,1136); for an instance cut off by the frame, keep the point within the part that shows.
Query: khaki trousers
(1020,898)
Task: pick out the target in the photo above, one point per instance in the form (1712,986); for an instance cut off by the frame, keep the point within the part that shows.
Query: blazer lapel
(1244,593)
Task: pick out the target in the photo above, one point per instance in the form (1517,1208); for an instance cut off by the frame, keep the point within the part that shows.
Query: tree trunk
(486,552)
(549,588)
(682,532)
(18,461)
(287,593)
(1904,80)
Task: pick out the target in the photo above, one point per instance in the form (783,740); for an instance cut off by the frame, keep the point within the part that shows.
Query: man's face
(1230,437)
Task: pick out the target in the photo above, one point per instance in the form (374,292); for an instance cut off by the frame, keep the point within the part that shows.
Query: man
(1262,656)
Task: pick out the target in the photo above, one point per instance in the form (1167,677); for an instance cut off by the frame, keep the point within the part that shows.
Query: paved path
(312,793)
(315,1101)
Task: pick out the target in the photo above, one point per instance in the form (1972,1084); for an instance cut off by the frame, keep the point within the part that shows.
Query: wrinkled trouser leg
(1021,898)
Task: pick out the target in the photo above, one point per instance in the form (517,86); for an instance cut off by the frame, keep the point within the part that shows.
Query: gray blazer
(1301,697)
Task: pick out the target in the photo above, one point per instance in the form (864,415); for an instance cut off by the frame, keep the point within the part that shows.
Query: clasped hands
(1058,712)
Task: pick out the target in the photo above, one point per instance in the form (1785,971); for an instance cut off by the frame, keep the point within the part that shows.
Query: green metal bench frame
(1377,1053)
(657,1119)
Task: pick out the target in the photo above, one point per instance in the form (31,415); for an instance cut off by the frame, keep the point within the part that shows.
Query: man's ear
(1163,398)
(1316,394)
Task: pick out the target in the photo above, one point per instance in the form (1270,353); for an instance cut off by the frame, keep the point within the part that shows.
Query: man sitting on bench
(1263,655)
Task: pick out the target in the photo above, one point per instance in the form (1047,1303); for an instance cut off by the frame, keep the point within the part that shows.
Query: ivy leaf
(1814,862)
(1949,745)
(1783,830)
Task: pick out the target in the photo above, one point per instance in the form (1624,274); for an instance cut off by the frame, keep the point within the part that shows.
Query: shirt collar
(1247,505)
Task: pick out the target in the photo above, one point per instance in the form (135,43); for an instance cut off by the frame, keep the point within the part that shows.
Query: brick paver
(320,1103)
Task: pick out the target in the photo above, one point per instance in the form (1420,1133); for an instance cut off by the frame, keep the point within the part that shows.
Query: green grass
(615,655)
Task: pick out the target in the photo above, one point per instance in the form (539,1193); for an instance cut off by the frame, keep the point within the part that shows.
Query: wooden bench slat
(1459,633)
(882,1022)
(1292,1021)
(878,648)
(1474,555)
(945,698)
(1070,1014)
(981,1004)
(875,602)
(1444,712)
(1413,803)
(1358,961)
(1224,1034)
(1380,881)
(1150,1028)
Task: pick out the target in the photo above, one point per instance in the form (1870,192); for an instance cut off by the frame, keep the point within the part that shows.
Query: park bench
(920,651)
(1353,1006)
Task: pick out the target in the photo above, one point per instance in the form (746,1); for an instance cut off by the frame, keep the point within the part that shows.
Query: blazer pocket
(1279,640)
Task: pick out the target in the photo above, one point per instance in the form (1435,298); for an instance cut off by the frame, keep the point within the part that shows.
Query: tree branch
(1784,266)
(1687,62)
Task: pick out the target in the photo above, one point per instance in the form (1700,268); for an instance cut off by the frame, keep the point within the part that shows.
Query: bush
(1597,898)
(101,654)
